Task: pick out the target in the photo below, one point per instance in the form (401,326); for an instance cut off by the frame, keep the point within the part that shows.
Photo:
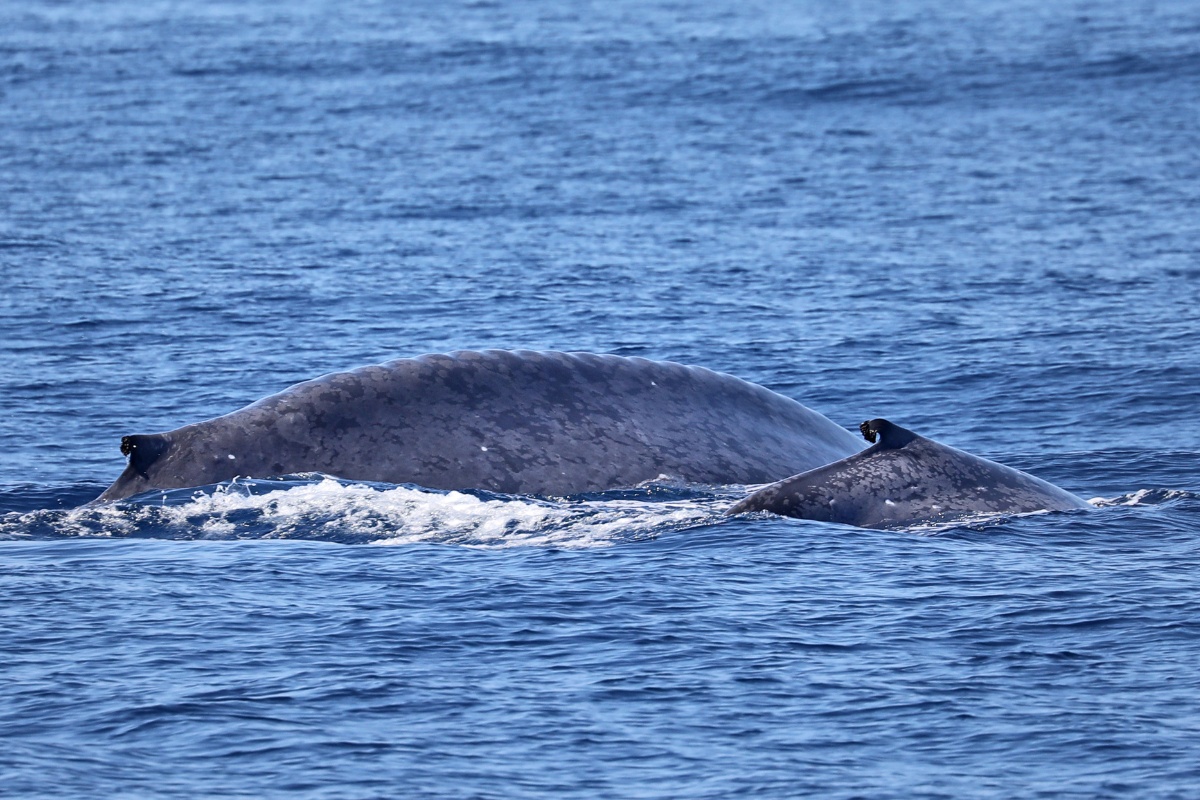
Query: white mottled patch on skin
(484,449)
(232,456)
(889,502)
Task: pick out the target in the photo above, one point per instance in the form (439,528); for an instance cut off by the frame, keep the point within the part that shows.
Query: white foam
(332,510)
(1142,497)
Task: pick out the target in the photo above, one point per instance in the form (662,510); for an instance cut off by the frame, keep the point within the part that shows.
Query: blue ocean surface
(978,219)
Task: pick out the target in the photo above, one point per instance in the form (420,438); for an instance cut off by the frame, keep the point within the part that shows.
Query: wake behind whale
(553,424)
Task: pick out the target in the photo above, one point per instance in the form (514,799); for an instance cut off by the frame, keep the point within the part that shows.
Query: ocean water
(977,219)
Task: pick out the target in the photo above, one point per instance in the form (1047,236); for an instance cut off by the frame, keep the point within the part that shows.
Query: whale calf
(905,480)
(519,422)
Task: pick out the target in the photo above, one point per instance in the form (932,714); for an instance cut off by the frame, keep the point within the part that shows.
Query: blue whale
(540,423)
(905,480)
(553,424)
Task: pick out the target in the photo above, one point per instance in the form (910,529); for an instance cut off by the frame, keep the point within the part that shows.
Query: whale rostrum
(553,424)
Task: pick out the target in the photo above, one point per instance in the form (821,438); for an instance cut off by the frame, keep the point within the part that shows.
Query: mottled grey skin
(518,422)
(906,480)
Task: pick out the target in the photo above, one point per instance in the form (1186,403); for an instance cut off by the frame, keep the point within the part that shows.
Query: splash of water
(325,509)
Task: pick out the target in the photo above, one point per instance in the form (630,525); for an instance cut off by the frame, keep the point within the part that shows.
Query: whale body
(553,424)
(905,480)
(520,422)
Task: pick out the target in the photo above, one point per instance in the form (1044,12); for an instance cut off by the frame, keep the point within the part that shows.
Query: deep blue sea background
(978,219)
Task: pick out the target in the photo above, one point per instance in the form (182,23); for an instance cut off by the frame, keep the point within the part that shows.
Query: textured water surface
(975,219)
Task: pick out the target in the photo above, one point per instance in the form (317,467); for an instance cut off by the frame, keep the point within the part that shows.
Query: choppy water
(976,219)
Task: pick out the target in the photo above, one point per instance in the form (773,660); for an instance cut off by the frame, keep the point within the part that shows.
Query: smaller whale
(905,480)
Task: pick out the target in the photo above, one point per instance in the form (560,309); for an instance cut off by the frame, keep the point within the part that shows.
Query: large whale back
(523,422)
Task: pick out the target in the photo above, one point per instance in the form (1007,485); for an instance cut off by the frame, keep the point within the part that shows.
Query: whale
(905,480)
(552,424)
(515,422)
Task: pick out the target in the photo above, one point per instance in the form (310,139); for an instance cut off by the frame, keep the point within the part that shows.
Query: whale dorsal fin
(890,435)
(143,450)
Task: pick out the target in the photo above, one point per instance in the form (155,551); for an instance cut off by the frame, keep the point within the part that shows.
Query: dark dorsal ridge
(888,435)
(143,450)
